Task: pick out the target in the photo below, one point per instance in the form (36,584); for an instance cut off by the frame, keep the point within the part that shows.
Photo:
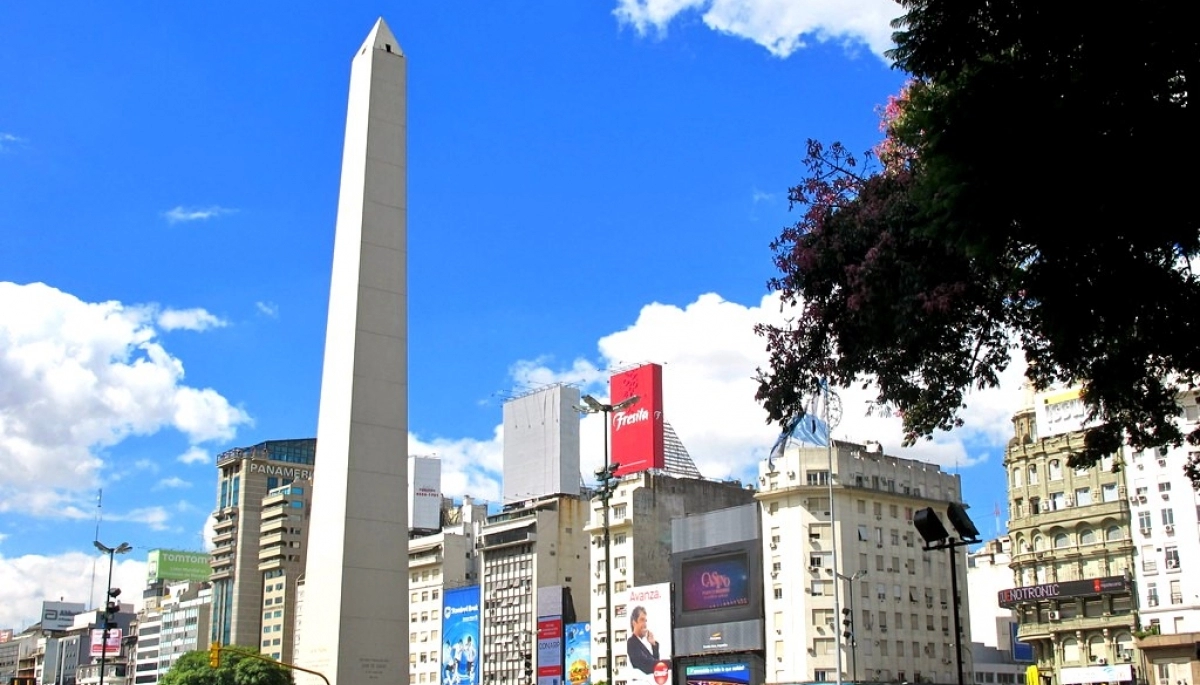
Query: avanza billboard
(637,430)
(460,636)
(648,649)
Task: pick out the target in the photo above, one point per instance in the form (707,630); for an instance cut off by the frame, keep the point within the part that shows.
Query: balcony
(1045,629)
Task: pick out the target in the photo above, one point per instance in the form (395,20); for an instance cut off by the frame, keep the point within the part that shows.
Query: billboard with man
(648,649)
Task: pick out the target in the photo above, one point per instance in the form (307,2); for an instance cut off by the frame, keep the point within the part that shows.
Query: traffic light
(847,624)
(112,607)
(214,655)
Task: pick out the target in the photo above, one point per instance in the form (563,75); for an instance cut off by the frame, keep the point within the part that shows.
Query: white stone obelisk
(355,613)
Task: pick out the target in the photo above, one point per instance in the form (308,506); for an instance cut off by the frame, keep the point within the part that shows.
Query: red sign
(112,647)
(637,430)
(550,648)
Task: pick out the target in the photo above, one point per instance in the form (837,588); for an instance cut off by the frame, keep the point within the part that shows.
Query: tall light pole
(607,477)
(849,632)
(833,416)
(111,605)
(937,537)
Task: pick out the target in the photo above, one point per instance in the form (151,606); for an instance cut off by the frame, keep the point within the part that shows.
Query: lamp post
(608,479)
(833,416)
(111,605)
(936,537)
(848,623)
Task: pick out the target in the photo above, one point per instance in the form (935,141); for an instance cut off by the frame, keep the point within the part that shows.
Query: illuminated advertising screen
(716,582)
(717,674)
(648,649)
(637,430)
(460,636)
(578,644)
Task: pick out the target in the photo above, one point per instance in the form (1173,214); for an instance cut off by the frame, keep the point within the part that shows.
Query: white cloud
(80,377)
(27,581)
(269,309)
(781,26)
(469,467)
(7,140)
(183,214)
(155,517)
(195,319)
(194,455)
(710,353)
(207,532)
(174,482)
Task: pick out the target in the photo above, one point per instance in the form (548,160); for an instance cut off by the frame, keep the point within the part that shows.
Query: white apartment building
(640,515)
(992,626)
(178,623)
(437,563)
(863,541)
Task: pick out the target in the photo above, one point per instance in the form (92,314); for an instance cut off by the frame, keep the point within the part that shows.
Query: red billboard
(637,430)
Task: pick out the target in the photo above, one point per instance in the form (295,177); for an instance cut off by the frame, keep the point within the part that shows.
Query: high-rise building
(283,544)
(1072,549)
(528,546)
(541,444)
(641,510)
(862,543)
(245,476)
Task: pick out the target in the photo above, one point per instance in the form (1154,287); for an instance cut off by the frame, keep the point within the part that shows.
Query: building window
(1144,521)
(1168,517)
(1033,474)
(620,511)
(817,477)
(1055,470)
(1171,555)
(1108,492)
(1087,536)
(1164,486)
(1083,497)
(1061,541)
(1176,593)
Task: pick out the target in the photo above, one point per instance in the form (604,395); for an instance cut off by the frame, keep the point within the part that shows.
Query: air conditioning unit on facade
(1054,616)
(1170,530)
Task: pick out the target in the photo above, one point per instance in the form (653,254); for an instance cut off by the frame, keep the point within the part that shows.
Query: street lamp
(111,605)
(608,478)
(936,537)
(848,631)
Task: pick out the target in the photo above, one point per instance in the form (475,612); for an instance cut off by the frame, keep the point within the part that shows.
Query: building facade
(863,544)
(528,546)
(283,547)
(641,510)
(998,658)
(1072,550)
(177,622)
(245,477)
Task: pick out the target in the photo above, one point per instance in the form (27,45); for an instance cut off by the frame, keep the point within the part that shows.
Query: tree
(235,669)
(1030,192)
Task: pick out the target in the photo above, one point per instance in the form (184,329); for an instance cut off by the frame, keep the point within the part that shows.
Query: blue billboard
(1022,652)
(460,636)
(578,646)
(718,674)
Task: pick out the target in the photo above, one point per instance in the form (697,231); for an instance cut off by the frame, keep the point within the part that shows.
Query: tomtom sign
(637,432)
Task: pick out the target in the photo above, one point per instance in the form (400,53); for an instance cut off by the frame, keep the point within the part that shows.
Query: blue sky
(591,184)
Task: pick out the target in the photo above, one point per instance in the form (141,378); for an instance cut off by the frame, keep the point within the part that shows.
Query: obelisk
(355,611)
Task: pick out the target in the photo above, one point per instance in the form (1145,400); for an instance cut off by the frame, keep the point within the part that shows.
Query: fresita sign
(637,431)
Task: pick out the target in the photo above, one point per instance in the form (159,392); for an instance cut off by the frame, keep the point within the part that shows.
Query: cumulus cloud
(268,309)
(181,214)
(155,517)
(172,482)
(80,377)
(780,26)
(194,455)
(710,353)
(27,581)
(195,319)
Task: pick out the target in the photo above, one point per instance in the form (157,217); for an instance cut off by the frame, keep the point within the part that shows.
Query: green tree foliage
(1032,190)
(236,669)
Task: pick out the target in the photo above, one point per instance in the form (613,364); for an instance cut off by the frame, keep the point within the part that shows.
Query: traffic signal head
(214,655)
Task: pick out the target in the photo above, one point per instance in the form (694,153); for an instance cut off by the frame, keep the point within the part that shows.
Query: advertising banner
(1022,652)
(550,651)
(648,610)
(5,635)
(111,648)
(1068,588)
(718,674)
(1060,411)
(578,648)
(173,564)
(637,431)
(60,615)
(460,635)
